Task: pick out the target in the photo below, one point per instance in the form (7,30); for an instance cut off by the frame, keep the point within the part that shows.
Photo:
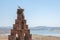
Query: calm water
(45,33)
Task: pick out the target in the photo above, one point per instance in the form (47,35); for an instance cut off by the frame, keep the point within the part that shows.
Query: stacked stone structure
(20,29)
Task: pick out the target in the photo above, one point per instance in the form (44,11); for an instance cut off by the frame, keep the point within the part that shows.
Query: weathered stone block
(20,30)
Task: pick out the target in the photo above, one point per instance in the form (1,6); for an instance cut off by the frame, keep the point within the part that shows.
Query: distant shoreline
(32,34)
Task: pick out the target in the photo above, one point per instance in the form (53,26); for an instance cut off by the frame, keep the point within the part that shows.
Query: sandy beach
(3,37)
(40,37)
(35,37)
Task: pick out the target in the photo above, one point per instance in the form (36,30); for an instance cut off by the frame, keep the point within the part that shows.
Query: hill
(4,30)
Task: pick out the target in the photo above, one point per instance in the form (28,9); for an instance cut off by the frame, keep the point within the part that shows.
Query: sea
(41,32)
(45,33)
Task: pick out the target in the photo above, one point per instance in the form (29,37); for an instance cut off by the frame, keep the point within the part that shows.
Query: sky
(36,12)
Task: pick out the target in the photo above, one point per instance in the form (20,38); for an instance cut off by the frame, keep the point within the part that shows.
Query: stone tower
(20,29)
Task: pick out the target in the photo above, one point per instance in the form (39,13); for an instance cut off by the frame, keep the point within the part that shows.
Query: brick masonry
(20,29)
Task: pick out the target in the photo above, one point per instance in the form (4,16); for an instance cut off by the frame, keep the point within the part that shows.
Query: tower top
(19,7)
(19,10)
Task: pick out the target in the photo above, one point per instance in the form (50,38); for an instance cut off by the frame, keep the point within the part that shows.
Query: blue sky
(37,12)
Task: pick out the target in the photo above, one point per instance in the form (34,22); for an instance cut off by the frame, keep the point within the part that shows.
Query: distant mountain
(4,30)
(45,28)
